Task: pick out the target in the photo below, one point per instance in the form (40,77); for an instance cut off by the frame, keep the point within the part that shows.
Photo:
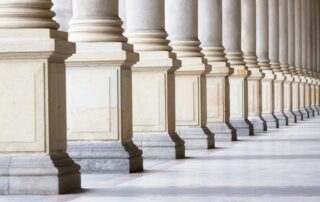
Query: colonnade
(106,92)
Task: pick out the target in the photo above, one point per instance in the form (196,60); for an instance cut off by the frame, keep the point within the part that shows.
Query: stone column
(318,56)
(33,157)
(210,35)
(294,55)
(274,61)
(153,81)
(304,52)
(314,56)
(262,37)
(283,58)
(99,120)
(308,61)
(248,46)
(231,37)
(63,10)
(181,20)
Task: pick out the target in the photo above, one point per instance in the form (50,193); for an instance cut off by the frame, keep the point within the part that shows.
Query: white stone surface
(280,165)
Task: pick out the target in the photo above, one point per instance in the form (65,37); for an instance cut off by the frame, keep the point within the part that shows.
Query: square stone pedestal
(239,101)
(153,83)
(99,81)
(218,105)
(33,158)
(191,107)
(267,94)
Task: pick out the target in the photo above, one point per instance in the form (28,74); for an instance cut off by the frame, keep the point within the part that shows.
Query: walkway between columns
(279,165)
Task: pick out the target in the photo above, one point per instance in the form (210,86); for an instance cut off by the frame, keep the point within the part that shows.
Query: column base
(223,132)
(291,117)
(315,110)
(197,138)
(318,108)
(258,123)
(310,112)
(107,157)
(243,128)
(305,113)
(299,115)
(160,145)
(271,121)
(282,119)
(38,174)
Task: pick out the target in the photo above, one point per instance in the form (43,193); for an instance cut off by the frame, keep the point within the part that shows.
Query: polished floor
(279,165)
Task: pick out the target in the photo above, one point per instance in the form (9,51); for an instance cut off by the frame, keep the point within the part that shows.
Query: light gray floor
(278,166)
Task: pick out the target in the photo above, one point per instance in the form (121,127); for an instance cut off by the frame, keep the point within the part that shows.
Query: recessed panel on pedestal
(187,94)
(93,103)
(22,107)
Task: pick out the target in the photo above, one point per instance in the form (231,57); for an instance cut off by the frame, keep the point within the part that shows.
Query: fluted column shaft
(248,46)
(153,81)
(274,60)
(182,26)
(231,36)
(32,76)
(262,48)
(210,35)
